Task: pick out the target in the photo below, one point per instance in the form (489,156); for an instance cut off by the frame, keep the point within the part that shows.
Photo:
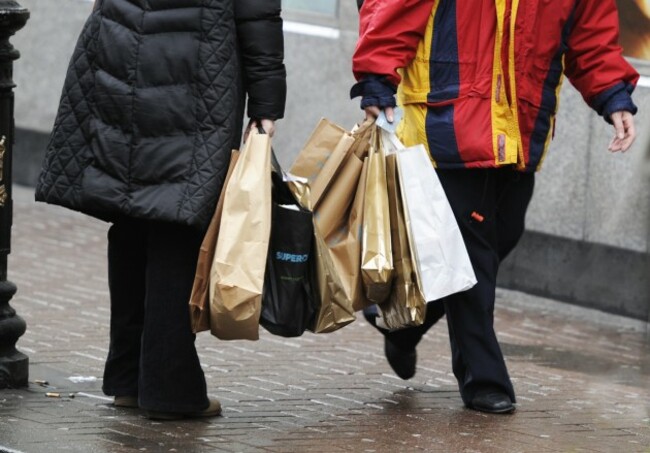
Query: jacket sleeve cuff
(267,98)
(375,90)
(615,99)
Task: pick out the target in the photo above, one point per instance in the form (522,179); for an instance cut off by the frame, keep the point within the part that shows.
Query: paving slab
(582,377)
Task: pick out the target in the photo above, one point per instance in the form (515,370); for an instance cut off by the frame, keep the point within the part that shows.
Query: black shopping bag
(289,300)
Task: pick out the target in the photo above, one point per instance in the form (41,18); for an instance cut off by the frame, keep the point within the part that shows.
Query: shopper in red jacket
(479,81)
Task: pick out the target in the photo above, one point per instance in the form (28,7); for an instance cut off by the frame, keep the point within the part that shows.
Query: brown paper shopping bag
(339,218)
(335,309)
(338,211)
(200,298)
(237,274)
(338,230)
(322,157)
(341,206)
(376,253)
(405,306)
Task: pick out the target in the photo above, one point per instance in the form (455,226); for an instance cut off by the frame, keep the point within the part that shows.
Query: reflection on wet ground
(632,372)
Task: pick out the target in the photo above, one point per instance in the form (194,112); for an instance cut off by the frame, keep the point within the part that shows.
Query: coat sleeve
(261,43)
(594,60)
(389,33)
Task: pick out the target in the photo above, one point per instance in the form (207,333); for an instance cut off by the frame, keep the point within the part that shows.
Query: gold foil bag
(377,269)
(405,306)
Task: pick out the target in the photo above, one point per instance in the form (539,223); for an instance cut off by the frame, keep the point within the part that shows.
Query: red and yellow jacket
(479,79)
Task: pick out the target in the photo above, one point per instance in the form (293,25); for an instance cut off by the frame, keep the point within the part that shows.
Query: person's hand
(267,125)
(624,129)
(373,111)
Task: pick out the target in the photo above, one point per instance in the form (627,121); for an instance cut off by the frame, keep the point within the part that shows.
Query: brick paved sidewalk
(582,377)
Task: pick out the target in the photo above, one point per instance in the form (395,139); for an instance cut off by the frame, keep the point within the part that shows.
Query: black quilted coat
(153,104)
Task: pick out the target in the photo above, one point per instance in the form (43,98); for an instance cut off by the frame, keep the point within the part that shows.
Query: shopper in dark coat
(151,108)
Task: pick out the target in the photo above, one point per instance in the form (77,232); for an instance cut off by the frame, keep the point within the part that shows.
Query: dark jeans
(501,196)
(152,355)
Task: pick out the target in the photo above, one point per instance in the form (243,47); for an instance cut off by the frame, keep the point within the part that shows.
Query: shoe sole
(508,410)
(164,417)
(126,403)
(155,415)
(172,416)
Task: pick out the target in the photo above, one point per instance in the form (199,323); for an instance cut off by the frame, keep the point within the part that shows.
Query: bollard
(13,364)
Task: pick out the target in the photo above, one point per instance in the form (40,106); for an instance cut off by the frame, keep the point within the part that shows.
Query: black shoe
(402,358)
(492,402)
(401,361)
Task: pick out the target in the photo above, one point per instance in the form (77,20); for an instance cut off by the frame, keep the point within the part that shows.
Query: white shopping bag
(442,263)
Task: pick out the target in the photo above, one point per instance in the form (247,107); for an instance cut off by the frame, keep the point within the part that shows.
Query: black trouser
(501,196)
(152,355)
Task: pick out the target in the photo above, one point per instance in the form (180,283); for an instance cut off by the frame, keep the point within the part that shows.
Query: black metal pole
(13,364)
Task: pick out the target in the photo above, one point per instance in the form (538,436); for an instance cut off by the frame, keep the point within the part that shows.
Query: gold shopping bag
(237,274)
(200,298)
(376,253)
(405,306)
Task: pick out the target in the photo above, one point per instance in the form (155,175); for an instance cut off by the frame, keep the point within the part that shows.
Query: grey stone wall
(585,192)
(587,202)
(45,44)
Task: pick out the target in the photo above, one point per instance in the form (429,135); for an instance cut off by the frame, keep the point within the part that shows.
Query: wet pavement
(582,377)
